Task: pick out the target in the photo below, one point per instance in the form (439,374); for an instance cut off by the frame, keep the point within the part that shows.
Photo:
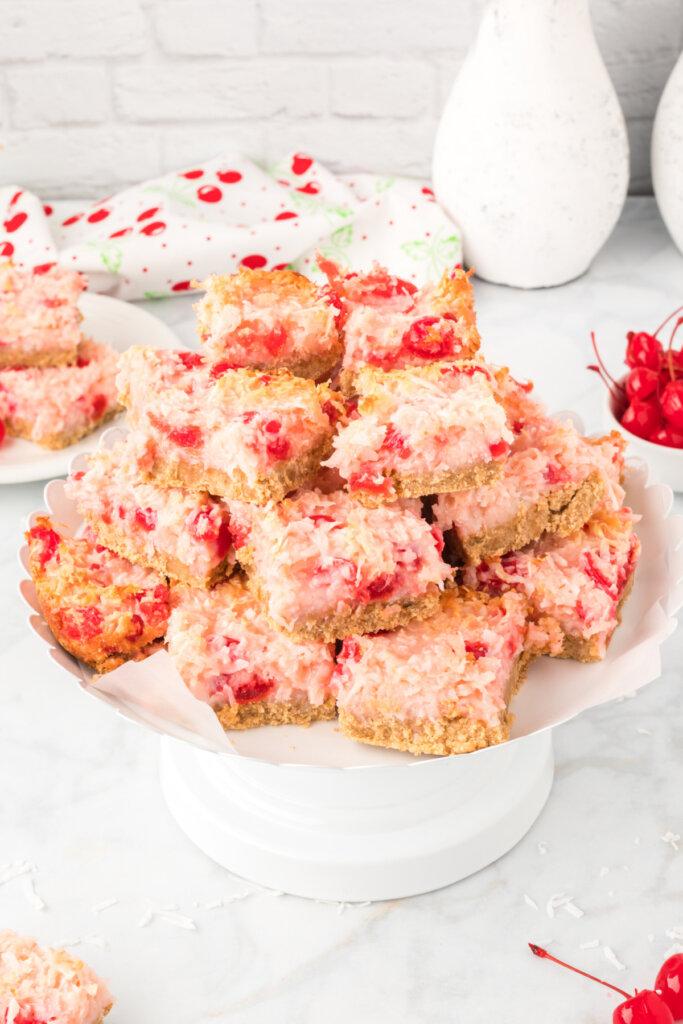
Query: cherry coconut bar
(576,586)
(235,433)
(391,324)
(39,316)
(422,430)
(183,534)
(440,686)
(251,674)
(324,566)
(266,319)
(40,984)
(101,608)
(55,406)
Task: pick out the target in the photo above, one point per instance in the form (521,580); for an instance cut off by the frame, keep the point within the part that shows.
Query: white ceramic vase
(667,154)
(531,155)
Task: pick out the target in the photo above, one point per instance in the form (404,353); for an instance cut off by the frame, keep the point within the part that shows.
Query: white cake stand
(352,834)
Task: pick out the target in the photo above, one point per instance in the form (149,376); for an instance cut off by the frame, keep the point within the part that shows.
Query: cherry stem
(672,372)
(617,396)
(603,368)
(539,951)
(665,322)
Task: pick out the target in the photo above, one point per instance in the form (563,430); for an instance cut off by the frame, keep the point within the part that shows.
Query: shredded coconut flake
(529,902)
(542,848)
(593,944)
(15,869)
(32,896)
(613,958)
(104,905)
(672,839)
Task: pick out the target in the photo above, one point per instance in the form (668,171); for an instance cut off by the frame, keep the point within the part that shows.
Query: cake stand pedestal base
(353,834)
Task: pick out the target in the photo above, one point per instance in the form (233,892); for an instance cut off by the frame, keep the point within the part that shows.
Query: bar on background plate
(39,316)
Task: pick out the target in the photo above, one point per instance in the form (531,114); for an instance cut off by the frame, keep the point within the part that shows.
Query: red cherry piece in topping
(224,539)
(437,534)
(218,369)
(71,220)
(121,233)
(254,689)
(192,174)
(97,215)
(380,586)
(643,350)
(81,362)
(669,984)
(596,575)
(424,338)
(477,648)
(498,449)
(2,431)
(641,383)
(370,481)
(286,215)
(137,627)
(186,437)
(394,441)
(146,214)
(350,650)
(15,222)
(272,426)
(513,566)
(275,340)
(6,248)
(98,406)
(300,163)
(331,411)
(254,262)
(157,227)
(642,418)
(145,518)
(278,448)
(209,194)
(553,474)
(49,541)
(645,1007)
(671,402)
(190,360)
(181,286)
(668,436)
(82,623)
(229,177)
(240,534)
(43,268)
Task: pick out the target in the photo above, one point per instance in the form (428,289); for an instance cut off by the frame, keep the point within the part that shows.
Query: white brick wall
(96,94)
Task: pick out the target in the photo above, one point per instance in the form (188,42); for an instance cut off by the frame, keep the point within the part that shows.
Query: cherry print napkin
(153,239)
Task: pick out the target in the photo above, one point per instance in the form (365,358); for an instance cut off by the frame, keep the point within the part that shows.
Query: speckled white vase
(531,155)
(667,154)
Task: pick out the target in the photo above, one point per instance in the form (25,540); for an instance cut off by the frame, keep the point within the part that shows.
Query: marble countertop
(83,823)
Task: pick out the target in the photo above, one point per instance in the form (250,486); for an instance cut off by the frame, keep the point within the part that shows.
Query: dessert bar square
(55,406)
(183,534)
(230,656)
(100,607)
(324,566)
(439,686)
(390,324)
(39,984)
(422,430)
(39,316)
(235,433)
(575,585)
(265,319)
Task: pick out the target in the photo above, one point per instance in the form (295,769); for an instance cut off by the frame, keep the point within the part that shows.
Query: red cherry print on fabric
(157,227)
(47,210)
(229,177)
(121,233)
(310,189)
(71,220)
(6,248)
(254,262)
(669,984)
(146,214)
(429,193)
(181,286)
(192,175)
(98,215)
(286,215)
(14,223)
(301,163)
(15,198)
(209,194)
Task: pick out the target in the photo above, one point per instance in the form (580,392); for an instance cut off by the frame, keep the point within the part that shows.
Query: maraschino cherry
(669,984)
(645,1007)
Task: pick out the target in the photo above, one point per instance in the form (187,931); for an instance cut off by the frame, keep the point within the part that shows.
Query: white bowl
(667,463)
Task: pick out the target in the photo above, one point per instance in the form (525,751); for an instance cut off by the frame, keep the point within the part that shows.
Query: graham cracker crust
(162,562)
(418,486)
(585,649)
(373,617)
(456,735)
(283,478)
(316,367)
(23,429)
(15,357)
(562,511)
(263,712)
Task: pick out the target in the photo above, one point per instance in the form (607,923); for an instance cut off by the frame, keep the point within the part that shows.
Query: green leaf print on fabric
(439,252)
(110,254)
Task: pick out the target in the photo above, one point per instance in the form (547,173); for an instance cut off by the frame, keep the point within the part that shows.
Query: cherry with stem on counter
(644,1007)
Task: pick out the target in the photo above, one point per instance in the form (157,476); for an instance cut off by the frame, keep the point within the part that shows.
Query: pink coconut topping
(42,985)
(391,324)
(321,554)
(57,400)
(228,653)
(457,663)
(577,581)
(262,318)
(39,311)
(545,456)
(231,420)
(189,526)
(424,421)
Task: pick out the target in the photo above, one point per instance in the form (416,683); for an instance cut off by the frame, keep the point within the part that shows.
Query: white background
(96,94)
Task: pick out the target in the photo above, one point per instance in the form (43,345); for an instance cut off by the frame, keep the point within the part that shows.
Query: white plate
(119,324)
